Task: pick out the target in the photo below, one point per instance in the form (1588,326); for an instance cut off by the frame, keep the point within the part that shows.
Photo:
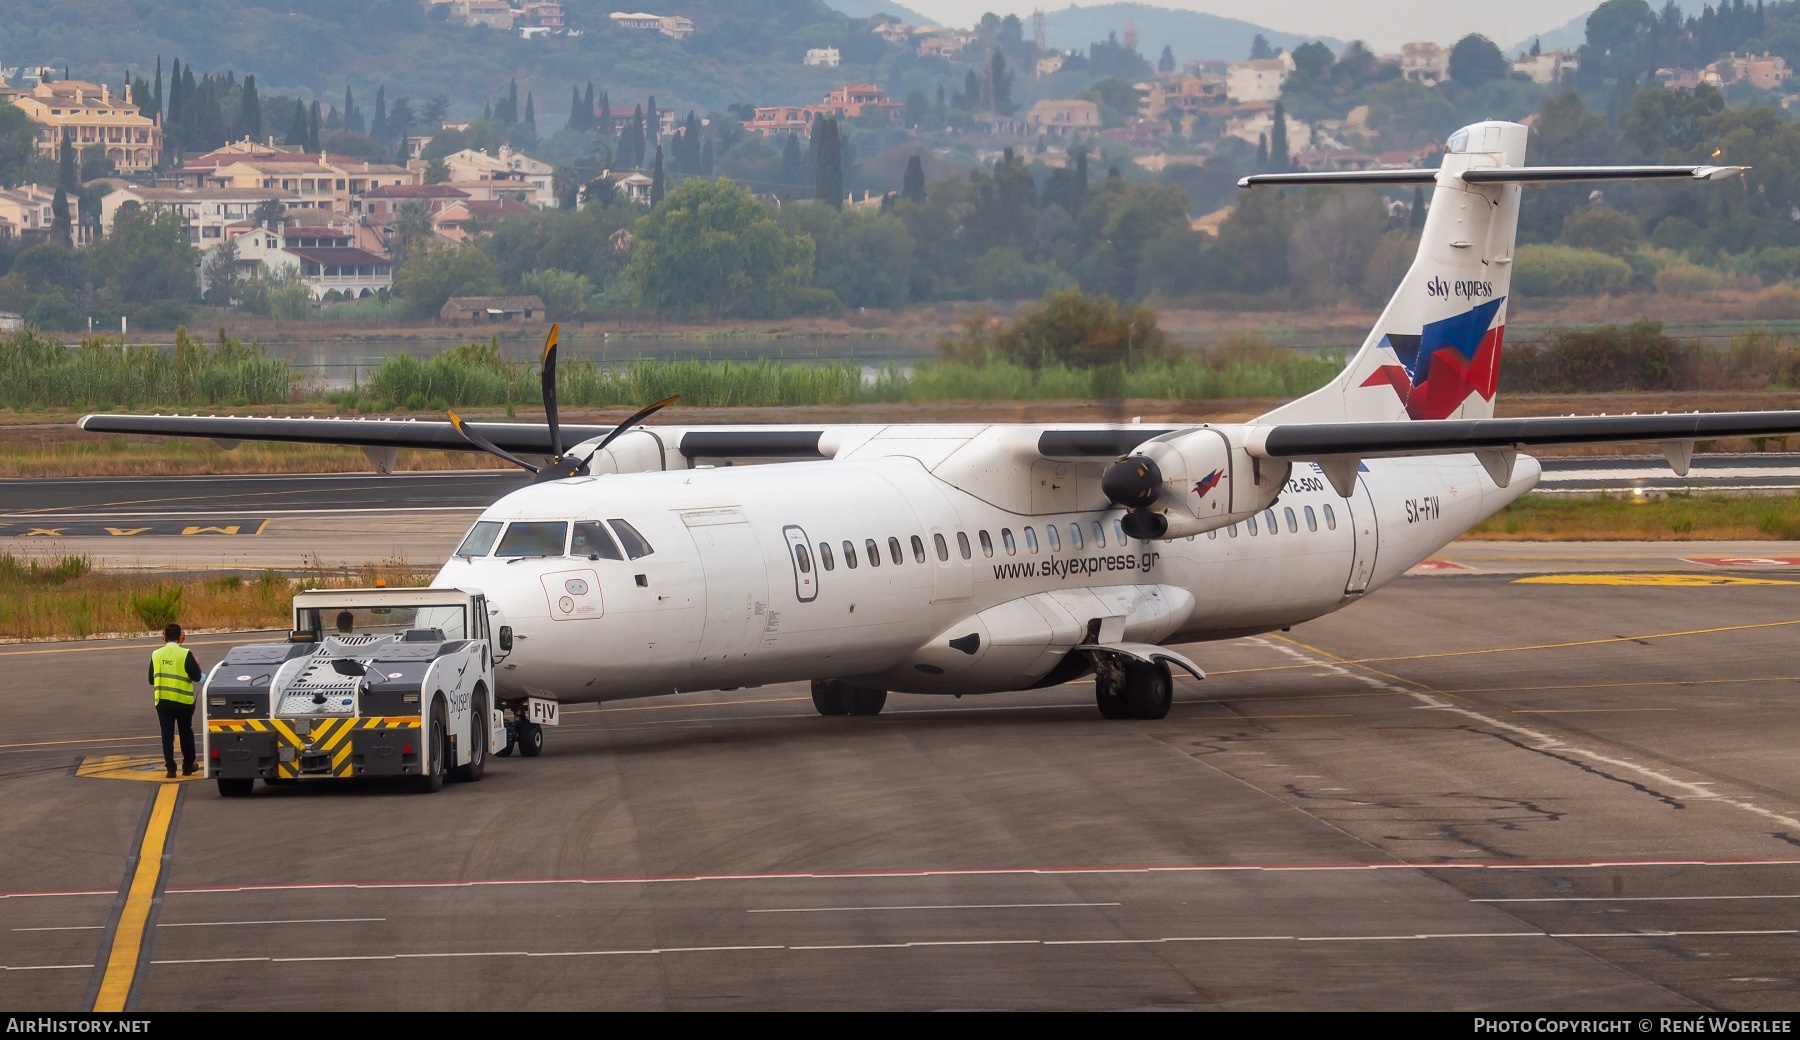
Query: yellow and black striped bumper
(291,748)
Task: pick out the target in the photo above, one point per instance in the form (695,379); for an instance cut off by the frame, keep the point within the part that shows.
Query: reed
(37,372)
(1546,518)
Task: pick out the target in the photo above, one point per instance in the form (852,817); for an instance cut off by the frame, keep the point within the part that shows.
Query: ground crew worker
(173,673)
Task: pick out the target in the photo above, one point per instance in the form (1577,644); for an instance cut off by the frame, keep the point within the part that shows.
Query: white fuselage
(724,600)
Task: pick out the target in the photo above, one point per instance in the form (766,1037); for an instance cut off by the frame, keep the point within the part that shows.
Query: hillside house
(492,310)
(90,115)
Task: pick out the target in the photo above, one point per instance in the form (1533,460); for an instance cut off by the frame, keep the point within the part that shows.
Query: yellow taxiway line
(134,919)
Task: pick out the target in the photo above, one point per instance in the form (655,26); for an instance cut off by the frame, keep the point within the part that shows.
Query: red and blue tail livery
(1446,362)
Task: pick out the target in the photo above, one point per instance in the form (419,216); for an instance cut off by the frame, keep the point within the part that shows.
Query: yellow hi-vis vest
(172,682)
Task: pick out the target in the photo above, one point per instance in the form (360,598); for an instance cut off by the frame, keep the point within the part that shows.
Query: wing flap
(1459,436)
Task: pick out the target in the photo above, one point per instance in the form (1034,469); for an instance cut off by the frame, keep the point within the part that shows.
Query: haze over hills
(1191,34)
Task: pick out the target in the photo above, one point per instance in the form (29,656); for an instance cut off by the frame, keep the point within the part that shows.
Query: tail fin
(1435,351)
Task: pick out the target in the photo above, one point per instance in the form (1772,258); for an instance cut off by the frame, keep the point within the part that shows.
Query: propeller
(562,464)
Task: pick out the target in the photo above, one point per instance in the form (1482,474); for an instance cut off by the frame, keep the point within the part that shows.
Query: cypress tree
(653,125)
(312,130)
(61,227)
(574,124)
(157,98)
(706,158)
(530,115)
(791,170)
(174,112)
(1081,176)
(828,174)
(378,126)
(296,134)
(1262,151)
(606,117)
(912,185)
(587,109)
(250,110)
(1278,140)
(656,179)
(512,103)
(634,138)
(1416,219)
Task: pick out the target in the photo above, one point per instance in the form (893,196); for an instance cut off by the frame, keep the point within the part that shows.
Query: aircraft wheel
(1109,691)
(865,701)
(828,697)
(236,787)
(530,739)
(1149,690)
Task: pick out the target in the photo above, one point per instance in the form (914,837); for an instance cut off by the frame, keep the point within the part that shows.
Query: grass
(68,599)
(1544,518)
(143,457)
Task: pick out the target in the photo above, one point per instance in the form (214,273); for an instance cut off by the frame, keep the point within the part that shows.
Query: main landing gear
(1128,689)
(840,698)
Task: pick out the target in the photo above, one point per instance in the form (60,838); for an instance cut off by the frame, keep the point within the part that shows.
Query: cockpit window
(635,545)
(534,538)
(592,541)
(480,538)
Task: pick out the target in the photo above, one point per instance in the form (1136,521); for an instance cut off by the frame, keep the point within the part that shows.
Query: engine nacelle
(1191,482)
(637,451)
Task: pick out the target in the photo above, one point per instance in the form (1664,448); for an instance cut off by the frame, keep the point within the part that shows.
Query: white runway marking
(300,920)
(927,944)
(43,967)
(63,928)
(945,906)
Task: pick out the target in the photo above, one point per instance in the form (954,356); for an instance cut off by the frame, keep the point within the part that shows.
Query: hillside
(1191,34)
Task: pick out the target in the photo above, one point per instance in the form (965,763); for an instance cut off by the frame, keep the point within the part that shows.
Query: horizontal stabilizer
(1364,440)
(1497,175)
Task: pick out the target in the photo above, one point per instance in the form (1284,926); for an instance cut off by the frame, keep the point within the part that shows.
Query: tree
(828,172)
(1259,48)
(146,258)
(530,116)
(656,179)
(918,107)
(564,183)
(999,86)
(792,172)
(250,111)
(61,228)
(1415,217)
(219,273)
(435,111)
(437,171)
(18,144)
(269,213)
(711,248)
(1476,60)
(912,185)
(312,129)
(1166,63)
(378,126)
(1278,140)
(575,125)
(431,274)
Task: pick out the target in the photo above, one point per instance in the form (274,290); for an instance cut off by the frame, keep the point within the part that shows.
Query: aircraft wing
(1459,436)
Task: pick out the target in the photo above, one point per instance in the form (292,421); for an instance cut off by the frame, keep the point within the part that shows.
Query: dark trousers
(173,717)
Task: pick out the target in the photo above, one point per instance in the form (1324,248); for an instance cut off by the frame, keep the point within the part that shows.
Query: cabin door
(737,584)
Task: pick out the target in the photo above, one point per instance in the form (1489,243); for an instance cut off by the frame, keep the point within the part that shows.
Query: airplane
(980,558)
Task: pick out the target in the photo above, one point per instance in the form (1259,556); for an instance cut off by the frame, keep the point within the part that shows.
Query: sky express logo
(1076,566)
(1208,482)
(1467,290)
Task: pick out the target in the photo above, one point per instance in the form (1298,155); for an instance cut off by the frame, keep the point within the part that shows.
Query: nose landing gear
(525,737)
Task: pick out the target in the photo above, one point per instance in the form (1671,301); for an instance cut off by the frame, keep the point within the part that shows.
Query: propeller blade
(632,420)
(486,445)
(548,376)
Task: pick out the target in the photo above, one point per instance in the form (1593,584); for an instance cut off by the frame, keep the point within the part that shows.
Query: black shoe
(171,772)
(188,770)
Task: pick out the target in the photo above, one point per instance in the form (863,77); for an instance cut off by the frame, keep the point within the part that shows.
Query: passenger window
(1232,530)
(1099,534)
(1075,536)
(636,547)
(1006,539)
(592,541)
(1031,540)
(826,560)
(802,559)
(534,538)
(1312,519)
(480,538)
(1054,540)
(943,548)
(1330,517)
(873,551)
(1250,526)
(987,544)
(1119,530)
(850,554)
(896,555)
(1269,518)
(918,548)
(962,545)
(1293,525)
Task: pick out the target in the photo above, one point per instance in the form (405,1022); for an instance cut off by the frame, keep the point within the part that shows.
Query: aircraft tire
(530,739)
(862,701)
(236,787)
(829,697)
(1109,693)
(1149,690)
